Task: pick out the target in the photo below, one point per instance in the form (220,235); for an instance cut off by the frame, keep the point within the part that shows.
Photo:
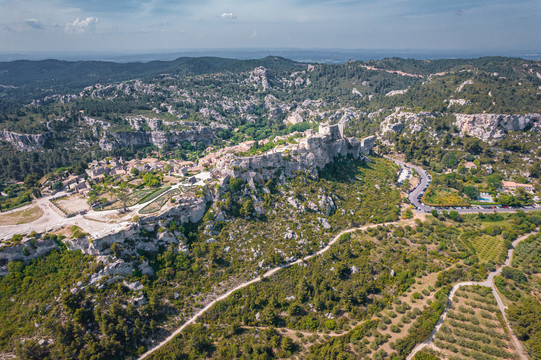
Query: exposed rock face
(312,153)
(294,118)
(494,126)
(354,91)
(187,210)
(367,144)
(18,252)
(396,92)
(24,142)
(260,76)
(136,122)
(461,102)
(391,127)
(461,86)
(144,138)
(396,121)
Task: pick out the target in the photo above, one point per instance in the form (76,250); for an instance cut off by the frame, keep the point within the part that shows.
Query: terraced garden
(473,328)
(157,204)
(133,199)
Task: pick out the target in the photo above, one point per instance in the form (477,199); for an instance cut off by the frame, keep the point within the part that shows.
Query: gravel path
(253,281)
(489,282)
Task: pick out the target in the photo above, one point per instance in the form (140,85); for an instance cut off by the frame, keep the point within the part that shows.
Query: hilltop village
(116,197)
(209,208)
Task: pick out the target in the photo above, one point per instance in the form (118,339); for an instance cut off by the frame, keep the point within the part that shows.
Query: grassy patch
(440,196)
(153,195)
(488,247)
(21,217)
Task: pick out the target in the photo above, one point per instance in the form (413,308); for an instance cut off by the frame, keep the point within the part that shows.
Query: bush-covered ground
(346,304)
(520,285)
(374,293)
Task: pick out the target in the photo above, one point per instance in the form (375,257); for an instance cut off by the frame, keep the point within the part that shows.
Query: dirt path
(489,282)
(265,275)
(292,332)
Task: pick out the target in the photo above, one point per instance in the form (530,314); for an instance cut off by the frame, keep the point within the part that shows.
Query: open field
(444,197)
(21,217)
(73,204)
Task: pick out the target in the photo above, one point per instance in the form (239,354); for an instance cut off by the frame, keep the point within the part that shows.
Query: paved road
(424,181)
(96,223)
(489,282)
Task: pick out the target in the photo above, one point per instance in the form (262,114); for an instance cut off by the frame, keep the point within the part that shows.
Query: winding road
(489,282)
(414,197)
(53,219)
(265,275)
(424,181)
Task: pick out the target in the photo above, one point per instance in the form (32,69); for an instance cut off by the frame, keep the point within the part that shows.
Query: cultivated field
(157,204)
(474,328)
(488,247)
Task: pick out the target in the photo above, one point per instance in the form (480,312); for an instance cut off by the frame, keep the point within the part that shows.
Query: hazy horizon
(298,54)
(151,26)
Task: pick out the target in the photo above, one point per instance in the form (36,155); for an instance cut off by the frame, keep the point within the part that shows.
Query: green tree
(471,192)
(449,160)
(31,181)
(247,208)
(150,179)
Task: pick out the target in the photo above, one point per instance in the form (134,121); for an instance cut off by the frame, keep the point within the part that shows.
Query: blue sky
(157,25)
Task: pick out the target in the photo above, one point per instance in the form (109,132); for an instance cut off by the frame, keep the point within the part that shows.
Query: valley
(211,208)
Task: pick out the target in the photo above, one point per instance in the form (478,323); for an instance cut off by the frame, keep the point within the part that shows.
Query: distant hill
(23,80)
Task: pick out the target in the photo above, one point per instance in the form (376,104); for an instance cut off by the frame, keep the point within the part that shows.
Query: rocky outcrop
(489,127)
(461,86)
(137,123)
(461,102)
(295,117)
(367,144)
(114,140)
(398,120)
(310,154)
(260,76)
(25,251)
(131,238)
(396,92)
(24,142)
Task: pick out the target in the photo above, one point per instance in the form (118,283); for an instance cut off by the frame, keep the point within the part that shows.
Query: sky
(158,25)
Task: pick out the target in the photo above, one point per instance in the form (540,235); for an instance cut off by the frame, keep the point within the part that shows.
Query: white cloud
(34,23)
(228,16)
(80,26)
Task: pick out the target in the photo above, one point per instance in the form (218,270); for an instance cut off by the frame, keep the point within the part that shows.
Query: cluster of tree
(526,322)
